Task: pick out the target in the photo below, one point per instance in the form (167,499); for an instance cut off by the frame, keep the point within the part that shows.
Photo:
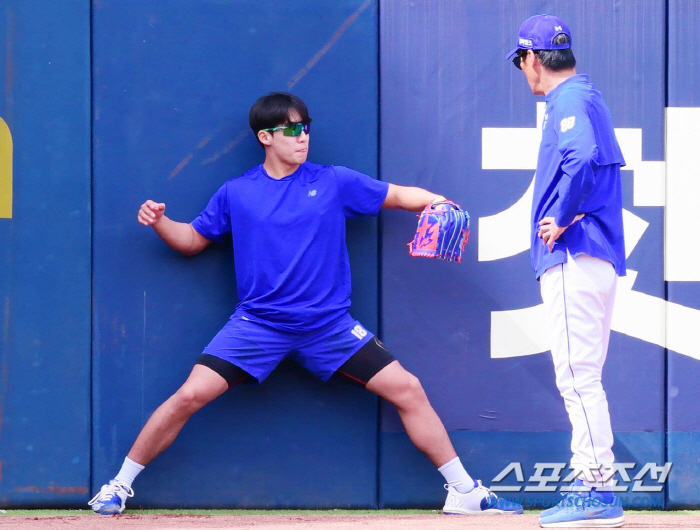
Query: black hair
(557,59)
(274,109)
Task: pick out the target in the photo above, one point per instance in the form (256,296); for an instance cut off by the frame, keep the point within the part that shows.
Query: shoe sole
(616,522)
(481,512)
(108,511)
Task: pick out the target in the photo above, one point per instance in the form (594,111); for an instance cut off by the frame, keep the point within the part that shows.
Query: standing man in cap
(577,251)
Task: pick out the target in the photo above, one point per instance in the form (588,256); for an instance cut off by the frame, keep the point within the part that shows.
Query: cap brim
(512,53)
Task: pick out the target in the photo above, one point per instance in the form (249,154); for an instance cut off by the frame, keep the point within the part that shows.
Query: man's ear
(265,137)
(535,58)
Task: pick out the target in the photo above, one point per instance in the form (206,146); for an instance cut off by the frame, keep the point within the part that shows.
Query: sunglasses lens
(295,129)
(516,61)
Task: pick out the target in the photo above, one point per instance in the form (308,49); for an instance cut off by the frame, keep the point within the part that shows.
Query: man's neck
(278,169)
(555,78)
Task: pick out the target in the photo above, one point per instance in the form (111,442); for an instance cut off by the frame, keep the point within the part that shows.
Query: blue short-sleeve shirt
(291,258)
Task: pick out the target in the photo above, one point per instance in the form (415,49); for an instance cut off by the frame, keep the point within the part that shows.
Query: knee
(188,399)
(408,392)
(579,376)
(584,382)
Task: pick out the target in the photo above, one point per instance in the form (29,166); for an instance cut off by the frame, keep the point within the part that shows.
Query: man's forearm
(415,199)
(178,236)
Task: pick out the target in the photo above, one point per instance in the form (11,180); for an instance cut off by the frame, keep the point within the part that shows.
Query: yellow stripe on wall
(5,171)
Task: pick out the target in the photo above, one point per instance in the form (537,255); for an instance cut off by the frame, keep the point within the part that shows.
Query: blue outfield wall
(112,102)
(454,119)
(45,255)
(171,124)
(683,118)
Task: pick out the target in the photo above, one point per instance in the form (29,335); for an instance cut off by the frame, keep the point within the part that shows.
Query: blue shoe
(111,500)
(478,501)
(574,487)
(592,509)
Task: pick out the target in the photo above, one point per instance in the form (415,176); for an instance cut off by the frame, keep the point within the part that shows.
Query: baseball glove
(443,231)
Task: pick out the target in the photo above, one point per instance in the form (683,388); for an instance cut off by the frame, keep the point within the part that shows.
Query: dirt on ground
(325,522)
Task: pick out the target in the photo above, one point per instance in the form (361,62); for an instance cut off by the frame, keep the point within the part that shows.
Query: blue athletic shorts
(258,348)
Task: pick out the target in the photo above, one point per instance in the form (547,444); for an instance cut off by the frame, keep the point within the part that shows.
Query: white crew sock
(128,472)
(456,476)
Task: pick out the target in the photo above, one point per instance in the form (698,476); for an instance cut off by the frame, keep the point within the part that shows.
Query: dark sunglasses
(517,58)
(520,56)
(293,129)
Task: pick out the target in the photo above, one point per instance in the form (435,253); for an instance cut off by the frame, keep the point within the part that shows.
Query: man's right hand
(151,212)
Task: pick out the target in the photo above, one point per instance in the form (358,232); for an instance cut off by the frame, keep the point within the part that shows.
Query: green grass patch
(65,513)
(130,511)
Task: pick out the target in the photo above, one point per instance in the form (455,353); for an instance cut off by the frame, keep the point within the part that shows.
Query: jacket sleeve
(579,151)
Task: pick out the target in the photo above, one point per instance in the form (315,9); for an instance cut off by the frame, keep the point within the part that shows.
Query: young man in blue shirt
(577,252)
(287,220)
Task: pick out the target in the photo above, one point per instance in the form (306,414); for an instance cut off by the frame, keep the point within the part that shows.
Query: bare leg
(424,427)
(202,386)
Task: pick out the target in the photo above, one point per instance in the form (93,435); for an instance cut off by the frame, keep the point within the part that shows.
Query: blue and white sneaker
(478,501)
(111,500)
(575,486)
(584,509)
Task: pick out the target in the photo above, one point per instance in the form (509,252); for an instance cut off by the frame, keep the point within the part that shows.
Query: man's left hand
(550,232)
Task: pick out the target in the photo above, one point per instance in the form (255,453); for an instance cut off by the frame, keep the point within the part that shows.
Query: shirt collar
(574,79)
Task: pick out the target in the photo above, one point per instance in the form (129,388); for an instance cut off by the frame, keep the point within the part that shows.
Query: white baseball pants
(578,299)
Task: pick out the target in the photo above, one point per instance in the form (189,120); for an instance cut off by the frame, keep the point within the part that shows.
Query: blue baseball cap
(538,33)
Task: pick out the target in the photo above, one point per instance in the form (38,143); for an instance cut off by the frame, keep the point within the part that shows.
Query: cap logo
(527,43)
(557,28)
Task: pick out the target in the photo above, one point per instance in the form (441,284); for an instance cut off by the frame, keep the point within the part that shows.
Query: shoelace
(565,496)
(108,490)
(492,499)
